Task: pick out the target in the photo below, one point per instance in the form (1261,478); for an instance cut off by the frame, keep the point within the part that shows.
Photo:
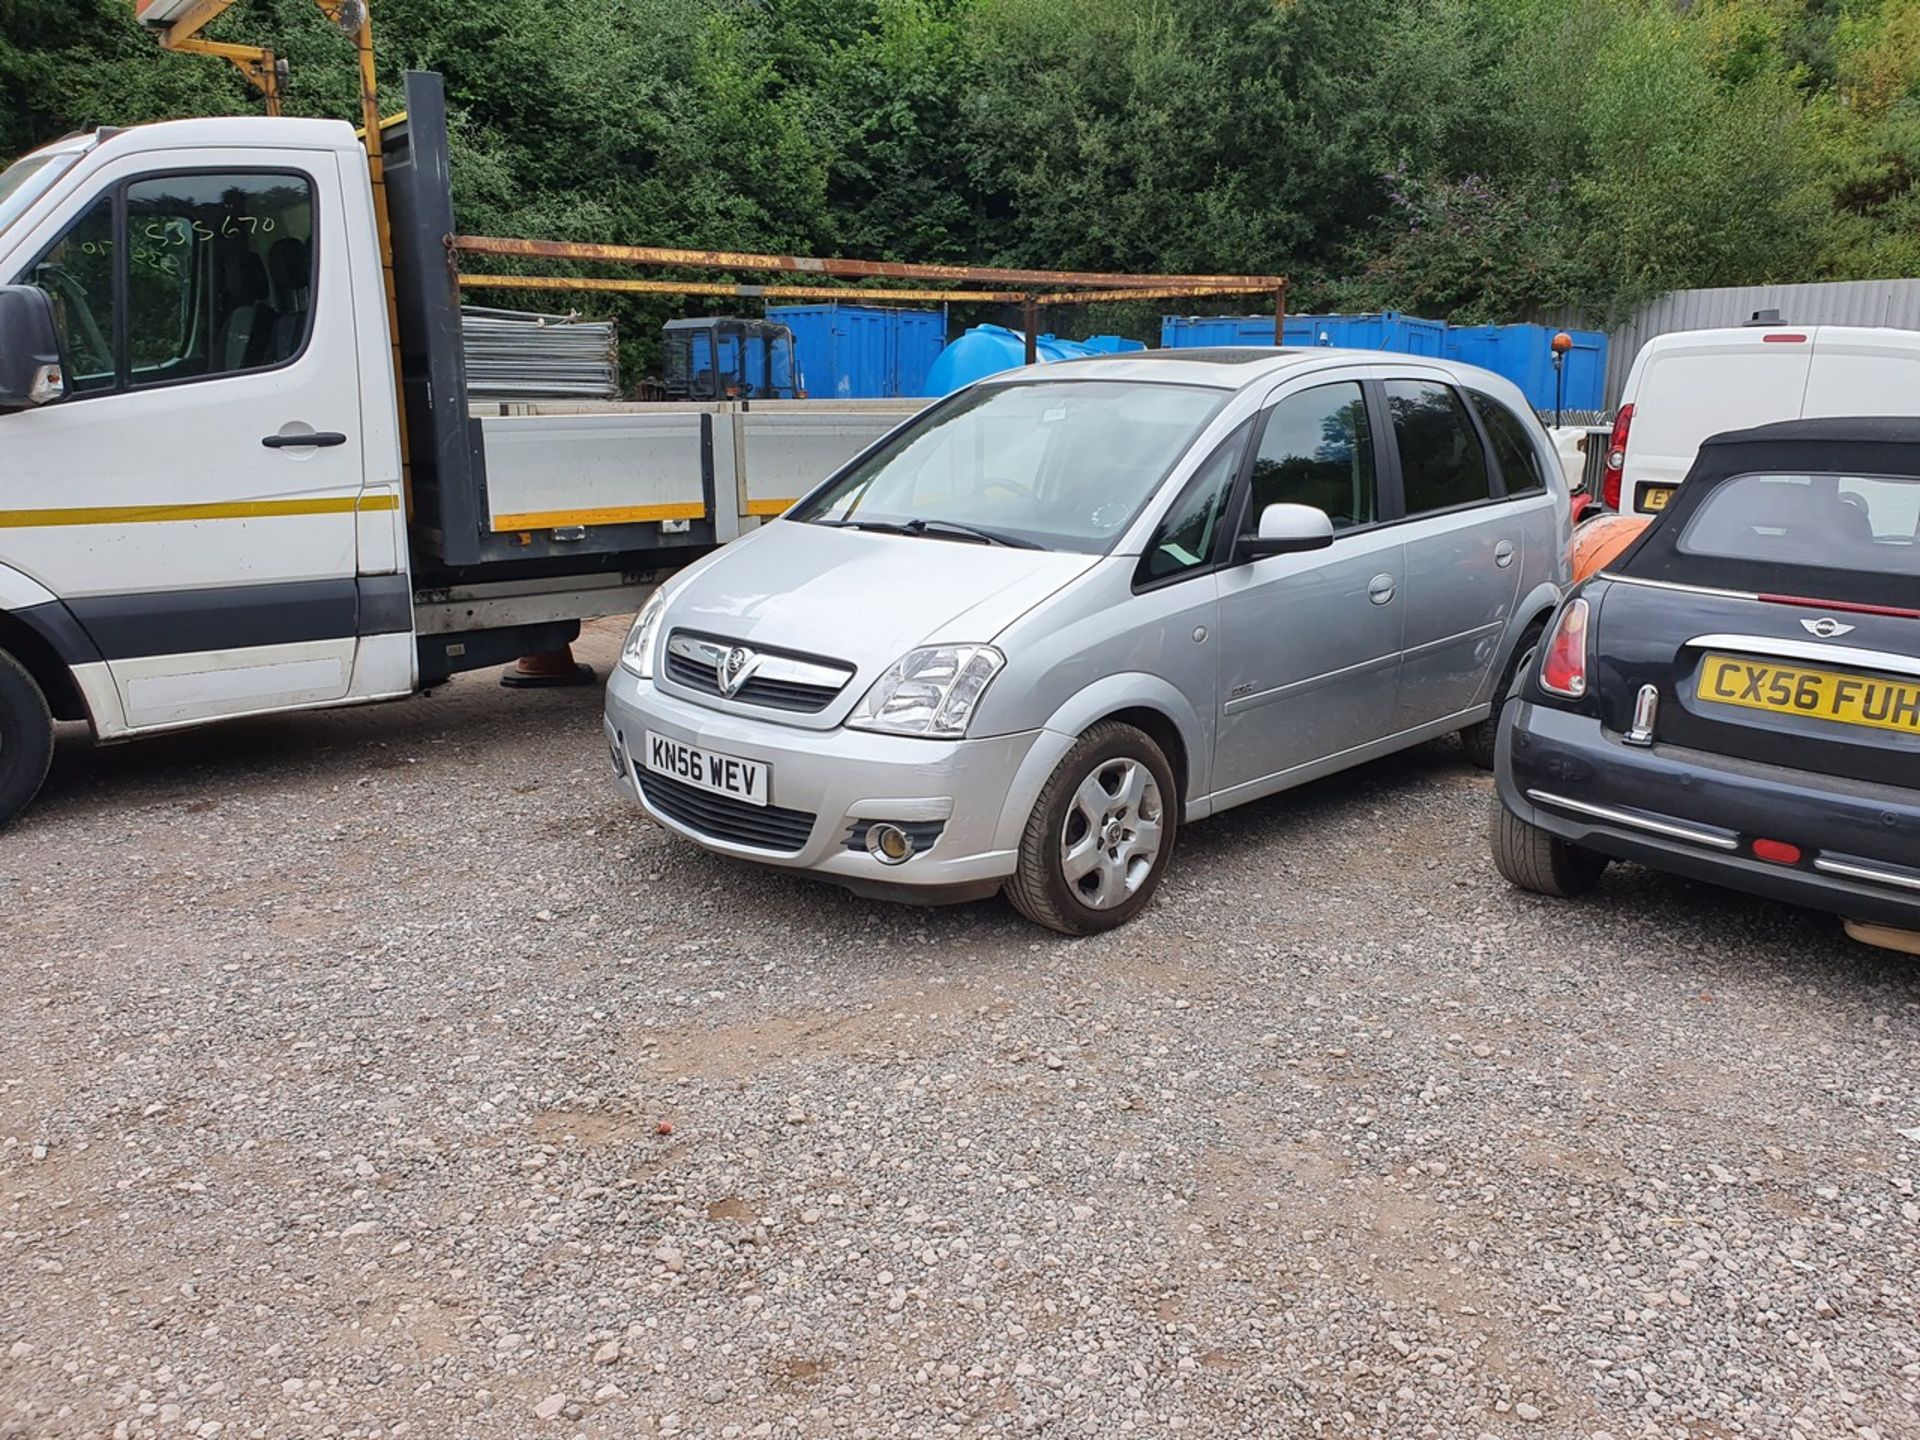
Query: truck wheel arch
(39,655)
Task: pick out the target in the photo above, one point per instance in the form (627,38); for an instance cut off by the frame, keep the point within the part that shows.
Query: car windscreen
(1835,536)
(1061,465)
(25,181)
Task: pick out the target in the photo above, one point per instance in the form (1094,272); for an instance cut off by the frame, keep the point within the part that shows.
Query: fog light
(889,844)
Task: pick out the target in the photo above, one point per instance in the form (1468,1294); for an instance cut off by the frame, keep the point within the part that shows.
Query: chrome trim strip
(768,667)
(1637,822)
(1677,586)
(1769,645)
(1867,872)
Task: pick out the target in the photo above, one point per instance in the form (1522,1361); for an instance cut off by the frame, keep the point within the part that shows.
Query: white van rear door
(1700,384)
(1861,371)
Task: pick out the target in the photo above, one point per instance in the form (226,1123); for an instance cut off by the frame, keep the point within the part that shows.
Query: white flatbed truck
(209,507)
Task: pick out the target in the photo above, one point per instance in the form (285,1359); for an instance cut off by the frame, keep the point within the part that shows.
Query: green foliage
(1479,159)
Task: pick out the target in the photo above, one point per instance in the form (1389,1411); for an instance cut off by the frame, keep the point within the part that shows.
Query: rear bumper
(1697,814)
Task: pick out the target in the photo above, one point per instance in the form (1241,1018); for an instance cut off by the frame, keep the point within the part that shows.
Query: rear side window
(1831,522)
(1512,446)
(1441,462)
(1317,449)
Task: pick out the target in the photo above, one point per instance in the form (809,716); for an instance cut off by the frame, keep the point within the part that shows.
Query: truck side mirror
(30,369)
(1287,530)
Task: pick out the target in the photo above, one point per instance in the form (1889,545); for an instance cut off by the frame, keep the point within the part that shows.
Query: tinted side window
(220,274)
(1512,446)
(1317,450)
(1441,462)
(1184,541)
(77,274)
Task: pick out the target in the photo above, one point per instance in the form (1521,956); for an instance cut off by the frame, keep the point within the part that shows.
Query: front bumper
(971,796)
(1697,814)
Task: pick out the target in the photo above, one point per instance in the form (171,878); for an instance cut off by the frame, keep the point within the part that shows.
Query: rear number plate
(707,769)
(1823,694)
(1655,497)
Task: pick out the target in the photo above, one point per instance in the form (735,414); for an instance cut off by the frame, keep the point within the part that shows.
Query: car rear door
(1464,543)
(1693,386)
(1309,643)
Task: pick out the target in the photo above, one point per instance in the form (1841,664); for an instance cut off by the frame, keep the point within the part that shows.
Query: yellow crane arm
(177,24)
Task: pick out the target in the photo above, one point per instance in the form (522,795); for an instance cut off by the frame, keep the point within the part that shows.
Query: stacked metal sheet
(519,355)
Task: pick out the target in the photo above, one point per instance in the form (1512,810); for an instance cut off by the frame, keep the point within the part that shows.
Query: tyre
(1530,858)
(1479,740)
(26,737)
(1100,834)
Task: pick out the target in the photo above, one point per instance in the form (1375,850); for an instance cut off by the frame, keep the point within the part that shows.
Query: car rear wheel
(26,737)
(1100,834)
(1480,740)
(1530,858)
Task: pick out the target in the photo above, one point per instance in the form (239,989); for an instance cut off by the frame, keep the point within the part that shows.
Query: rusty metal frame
(841,269)
(1091,286)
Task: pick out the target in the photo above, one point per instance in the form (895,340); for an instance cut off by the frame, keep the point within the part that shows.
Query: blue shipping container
(862,352)
(1389,330)
(1524,354)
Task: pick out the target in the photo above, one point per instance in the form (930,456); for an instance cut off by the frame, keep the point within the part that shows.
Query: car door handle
(318,439)
(1380,589)
(1503,554)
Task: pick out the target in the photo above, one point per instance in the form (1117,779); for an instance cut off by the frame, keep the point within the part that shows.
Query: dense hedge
(1478,159)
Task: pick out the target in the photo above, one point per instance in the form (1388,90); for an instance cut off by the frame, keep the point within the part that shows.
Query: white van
(1694,383)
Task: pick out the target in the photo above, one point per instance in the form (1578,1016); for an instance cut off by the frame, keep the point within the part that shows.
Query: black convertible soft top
(1860,446)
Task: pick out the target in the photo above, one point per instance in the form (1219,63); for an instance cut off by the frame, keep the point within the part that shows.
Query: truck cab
(210,520)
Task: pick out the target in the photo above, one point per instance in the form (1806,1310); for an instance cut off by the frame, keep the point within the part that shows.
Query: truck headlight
(932,691)
(637,654)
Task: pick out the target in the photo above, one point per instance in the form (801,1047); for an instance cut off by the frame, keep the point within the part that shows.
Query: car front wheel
(1100,834)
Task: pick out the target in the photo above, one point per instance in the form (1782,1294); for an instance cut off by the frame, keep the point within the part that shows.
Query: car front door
(195,500)
(1463,545)
(1310,642)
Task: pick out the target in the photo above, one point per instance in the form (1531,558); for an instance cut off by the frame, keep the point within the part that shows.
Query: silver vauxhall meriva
(1021,640)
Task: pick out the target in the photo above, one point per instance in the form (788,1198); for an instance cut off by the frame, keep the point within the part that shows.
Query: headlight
(637,654)
(930,692)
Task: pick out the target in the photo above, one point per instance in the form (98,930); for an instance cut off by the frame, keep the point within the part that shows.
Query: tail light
(1616,458)
(1563,670)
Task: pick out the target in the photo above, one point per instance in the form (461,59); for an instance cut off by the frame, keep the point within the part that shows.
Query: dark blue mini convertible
(1737,697)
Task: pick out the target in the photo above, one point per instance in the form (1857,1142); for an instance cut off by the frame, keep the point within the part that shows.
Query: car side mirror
(1287,530)
(30,370)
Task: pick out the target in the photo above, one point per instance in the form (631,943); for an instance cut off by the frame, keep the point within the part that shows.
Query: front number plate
(707,769)
(1823,694)
(1655,498)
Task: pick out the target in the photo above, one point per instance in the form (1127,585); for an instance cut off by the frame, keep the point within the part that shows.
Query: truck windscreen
(25,181)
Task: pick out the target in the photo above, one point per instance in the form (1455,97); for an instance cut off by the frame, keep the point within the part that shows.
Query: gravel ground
(378,1073)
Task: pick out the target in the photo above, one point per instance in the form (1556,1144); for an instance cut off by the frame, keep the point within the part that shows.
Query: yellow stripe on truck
(616,515)
(225,510)
(769,507)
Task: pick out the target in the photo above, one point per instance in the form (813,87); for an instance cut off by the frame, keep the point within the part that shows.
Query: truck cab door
(198,499)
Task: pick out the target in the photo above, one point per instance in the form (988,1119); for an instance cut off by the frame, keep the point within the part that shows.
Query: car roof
(1827,430)
(1226,367)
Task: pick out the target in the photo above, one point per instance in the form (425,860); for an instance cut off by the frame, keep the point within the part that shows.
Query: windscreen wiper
(953,530)
(937,530)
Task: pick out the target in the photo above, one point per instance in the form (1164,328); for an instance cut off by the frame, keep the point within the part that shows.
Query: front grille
(765,827)
(774,679)
(773,694)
